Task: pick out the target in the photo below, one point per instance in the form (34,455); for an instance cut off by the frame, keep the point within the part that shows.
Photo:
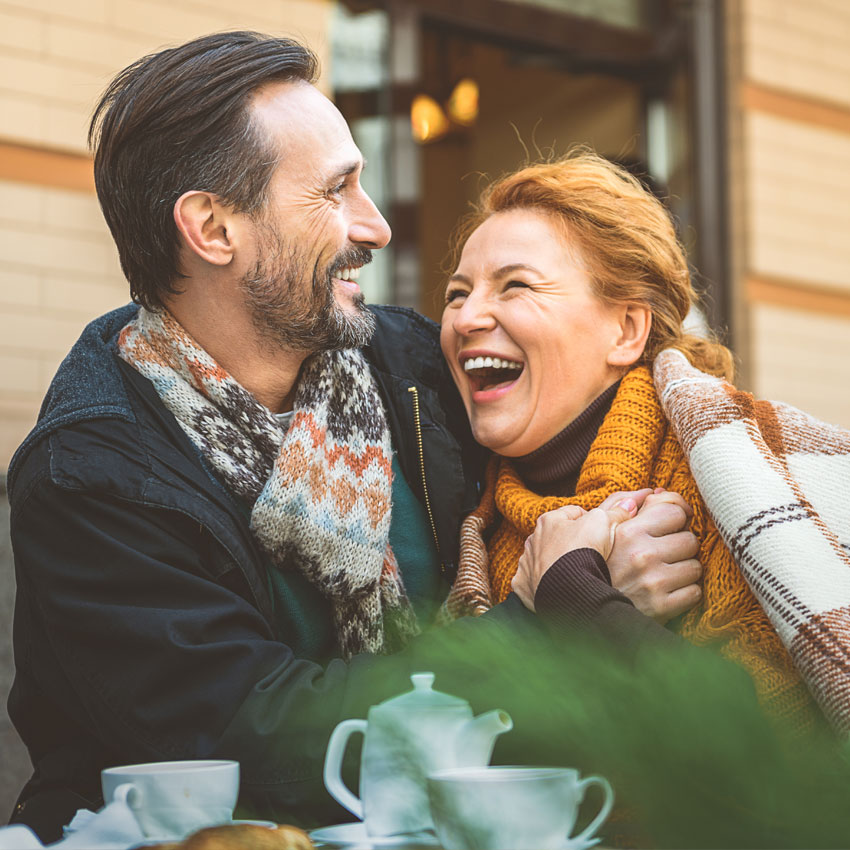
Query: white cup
(171,799)
(513,808)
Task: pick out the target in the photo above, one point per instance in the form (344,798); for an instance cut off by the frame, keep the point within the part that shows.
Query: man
(207,561)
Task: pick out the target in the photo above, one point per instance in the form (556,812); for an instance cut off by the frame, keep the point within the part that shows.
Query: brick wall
(800,46)
(59,267)
(55,56)
(799,188)
(790,155)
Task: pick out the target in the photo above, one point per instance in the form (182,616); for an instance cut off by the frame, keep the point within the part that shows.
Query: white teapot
(406,738)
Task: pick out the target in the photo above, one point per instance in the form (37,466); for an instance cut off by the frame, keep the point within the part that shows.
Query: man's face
(317,229)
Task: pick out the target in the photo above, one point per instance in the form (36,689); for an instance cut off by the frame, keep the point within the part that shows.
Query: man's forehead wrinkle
(309,152)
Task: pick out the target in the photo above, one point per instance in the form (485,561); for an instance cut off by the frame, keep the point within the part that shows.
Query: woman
(570,283)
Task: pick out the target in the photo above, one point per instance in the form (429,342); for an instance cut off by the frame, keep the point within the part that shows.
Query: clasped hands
(641,535)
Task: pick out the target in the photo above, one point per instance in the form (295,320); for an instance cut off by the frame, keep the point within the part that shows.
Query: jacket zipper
(418,425)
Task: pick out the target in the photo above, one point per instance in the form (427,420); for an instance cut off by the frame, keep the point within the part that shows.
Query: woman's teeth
(348,274)
(486,373)
(490,363)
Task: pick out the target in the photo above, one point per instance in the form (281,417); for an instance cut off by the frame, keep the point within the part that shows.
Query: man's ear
(206,226)
(635,322)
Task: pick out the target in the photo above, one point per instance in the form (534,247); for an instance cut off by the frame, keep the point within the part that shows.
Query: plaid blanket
(777,484)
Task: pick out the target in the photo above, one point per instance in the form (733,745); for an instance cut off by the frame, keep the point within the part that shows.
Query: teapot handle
(333,765)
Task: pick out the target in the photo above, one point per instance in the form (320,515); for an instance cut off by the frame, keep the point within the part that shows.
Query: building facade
(788,84)
(739,110)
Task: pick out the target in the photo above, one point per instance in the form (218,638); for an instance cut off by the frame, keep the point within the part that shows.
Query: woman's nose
(474,315)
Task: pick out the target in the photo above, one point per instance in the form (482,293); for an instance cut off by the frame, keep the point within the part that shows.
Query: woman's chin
(486,439)
(505,445)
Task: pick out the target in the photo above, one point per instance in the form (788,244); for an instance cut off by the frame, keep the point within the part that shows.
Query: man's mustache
(350,257)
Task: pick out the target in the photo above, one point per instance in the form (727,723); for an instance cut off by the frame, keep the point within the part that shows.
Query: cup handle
(333,765)
(126,793)
(586,839)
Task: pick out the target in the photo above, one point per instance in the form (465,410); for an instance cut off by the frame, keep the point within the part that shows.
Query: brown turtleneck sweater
(553,469)
(576,590)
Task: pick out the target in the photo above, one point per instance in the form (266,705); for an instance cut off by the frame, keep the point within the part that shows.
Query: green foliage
(678,732)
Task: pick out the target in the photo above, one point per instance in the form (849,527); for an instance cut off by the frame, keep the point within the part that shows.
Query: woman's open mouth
(491,373)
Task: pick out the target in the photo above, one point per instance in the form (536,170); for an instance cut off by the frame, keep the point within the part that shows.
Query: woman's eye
(516,284)
(454,294)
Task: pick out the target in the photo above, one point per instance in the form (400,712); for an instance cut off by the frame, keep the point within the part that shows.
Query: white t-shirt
(284,419)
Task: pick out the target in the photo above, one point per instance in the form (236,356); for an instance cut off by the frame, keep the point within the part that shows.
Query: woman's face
(528,344)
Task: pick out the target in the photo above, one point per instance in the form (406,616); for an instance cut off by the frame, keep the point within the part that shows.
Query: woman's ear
(206,226)
(635,323)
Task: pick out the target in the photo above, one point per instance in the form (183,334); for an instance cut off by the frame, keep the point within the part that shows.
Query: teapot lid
(424,696)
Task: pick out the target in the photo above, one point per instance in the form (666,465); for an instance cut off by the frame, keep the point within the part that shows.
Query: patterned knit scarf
(634,448)
(321,494)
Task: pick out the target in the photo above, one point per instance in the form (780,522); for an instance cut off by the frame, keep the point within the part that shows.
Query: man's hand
(653,560)
(566,529)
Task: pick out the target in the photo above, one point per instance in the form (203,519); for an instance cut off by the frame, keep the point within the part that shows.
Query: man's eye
(514,284)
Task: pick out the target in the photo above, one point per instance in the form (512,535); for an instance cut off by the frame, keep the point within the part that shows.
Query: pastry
(245,836)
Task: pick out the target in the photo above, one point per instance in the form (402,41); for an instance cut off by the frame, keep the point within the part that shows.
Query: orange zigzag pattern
(357,464)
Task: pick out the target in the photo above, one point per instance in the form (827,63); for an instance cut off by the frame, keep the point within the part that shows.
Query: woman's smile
(490,375)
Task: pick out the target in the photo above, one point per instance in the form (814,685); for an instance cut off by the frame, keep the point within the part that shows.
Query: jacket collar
(87,385)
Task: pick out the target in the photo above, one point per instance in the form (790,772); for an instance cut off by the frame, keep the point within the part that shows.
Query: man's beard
(294,308)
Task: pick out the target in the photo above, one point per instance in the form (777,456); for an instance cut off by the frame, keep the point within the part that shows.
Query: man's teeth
(490,363)
(348,274)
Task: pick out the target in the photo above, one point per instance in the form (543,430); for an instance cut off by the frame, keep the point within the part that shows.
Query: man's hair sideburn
(177,121)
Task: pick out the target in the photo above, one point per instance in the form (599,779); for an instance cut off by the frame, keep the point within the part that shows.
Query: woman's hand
(653,561)
(565,529)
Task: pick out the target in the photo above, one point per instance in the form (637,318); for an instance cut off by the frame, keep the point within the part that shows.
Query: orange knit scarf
(635,448)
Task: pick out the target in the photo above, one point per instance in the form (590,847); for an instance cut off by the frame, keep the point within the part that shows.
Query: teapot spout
(478,737)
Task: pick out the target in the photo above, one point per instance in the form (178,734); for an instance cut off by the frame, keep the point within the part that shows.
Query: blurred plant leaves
(678,732)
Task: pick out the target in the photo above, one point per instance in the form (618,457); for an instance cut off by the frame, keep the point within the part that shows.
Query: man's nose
(369,228)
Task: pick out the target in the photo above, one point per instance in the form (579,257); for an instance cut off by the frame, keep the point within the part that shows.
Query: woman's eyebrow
(516,267)
(504,271)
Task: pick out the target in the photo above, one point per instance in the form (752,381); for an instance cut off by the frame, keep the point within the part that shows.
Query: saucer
(572,844)
(355,835)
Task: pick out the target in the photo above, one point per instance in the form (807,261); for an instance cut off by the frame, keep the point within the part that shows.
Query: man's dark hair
(176,121)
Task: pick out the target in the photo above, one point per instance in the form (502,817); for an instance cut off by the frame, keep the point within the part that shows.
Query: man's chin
(353,324)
